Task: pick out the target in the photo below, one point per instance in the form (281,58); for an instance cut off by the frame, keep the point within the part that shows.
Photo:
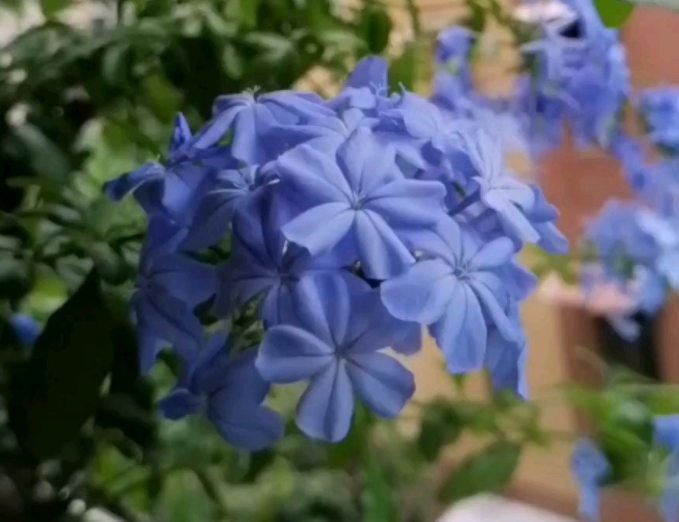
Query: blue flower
(169,286)
(337,346)
(230,189)
(356,201)
(454,44)
(170,189)
(458,291)
(497,188)
(26,329)
(591,469)
(251,120)
(262,266)
(228,389)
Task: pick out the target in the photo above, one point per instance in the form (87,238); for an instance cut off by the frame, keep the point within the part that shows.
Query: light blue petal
(326,408)
(289,354)
(462,332)
(590,468)
(490,303)
(666,431)
(371,71)
(492,254)
(323,305)
(506,363)
(364,162)
(320,228)
(421,294)
(411,342)
(309,174)
(408,203)
(381,253)
(381,382)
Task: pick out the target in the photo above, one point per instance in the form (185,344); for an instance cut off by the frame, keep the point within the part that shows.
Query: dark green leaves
(490,470)
(59,388)
(441,425)
(614,13)
(374,26)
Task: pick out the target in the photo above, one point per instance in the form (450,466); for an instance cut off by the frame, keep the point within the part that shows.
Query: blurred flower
(26,329)
(591,468)
(660,110)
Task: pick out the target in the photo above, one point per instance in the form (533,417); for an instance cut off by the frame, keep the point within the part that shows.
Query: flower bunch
(324,235)
(574,70)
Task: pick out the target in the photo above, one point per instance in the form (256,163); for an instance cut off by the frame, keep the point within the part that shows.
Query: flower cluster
(574,71)
(342,227)
(593,470)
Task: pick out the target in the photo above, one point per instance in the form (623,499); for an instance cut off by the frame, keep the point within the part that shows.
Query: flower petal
(181,403)
(170,319)
(213,218)
(381,382)
(421,294)
(248,427)
(364,162)
(320,228)
(492,254)
(381,253)
(408,202)
(462,333)
(492,306)
(310,175)
(289,354)
(120,187)
(323,304)
(326,408)
(191,281)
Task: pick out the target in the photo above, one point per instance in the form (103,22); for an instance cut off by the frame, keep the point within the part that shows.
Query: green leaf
(59,388)
(374,25)
(114,63)
(487,471)
(379,498)
(162,98)
(441,425)
(52,8)
(614,13)
(403,70)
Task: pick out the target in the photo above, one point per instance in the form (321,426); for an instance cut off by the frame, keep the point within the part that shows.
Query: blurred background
(88,90)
